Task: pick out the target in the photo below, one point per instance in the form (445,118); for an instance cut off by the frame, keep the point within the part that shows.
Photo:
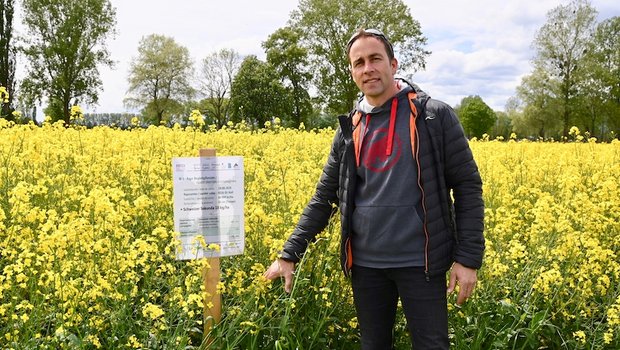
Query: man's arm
(313,220)
(463,178)
(319,210)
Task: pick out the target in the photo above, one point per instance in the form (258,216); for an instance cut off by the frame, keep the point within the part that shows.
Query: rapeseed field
(87,245)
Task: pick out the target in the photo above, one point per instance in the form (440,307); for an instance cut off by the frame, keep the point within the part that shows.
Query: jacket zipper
(416,144)
(424,225)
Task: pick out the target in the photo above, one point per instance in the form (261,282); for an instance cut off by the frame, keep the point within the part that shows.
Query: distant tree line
(304,78)
(120,120)
(306,55)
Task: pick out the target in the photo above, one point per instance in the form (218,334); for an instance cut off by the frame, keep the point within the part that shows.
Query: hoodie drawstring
(388,148)
(390,142)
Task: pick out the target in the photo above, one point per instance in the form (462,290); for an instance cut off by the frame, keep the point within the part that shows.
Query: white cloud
(483,47)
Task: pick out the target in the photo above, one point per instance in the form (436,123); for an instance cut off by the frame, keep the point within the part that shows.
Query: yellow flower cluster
(4,95)
(76,114)
(197,119)
(87,248)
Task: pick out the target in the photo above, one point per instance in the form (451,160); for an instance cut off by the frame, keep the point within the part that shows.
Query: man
(395,164)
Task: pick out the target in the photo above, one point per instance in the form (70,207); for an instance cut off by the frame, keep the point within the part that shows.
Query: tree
(502,126)
(600,88)
(257,95)
(514,112)
(538,93)
(216,76)
(561,44)
(327,25)
(476,116)
(7,55)
(290,60)
(159,78)
(65,46)
(29,95)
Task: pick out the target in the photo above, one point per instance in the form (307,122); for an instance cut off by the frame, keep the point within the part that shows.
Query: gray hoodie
(388,232)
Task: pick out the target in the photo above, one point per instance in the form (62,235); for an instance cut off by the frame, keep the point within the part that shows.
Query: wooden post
(211,278)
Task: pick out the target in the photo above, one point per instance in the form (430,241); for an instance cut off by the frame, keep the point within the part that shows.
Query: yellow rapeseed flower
(196,118)
(580,336)
(4,95)
(76,114)
(152,311)
(133,342)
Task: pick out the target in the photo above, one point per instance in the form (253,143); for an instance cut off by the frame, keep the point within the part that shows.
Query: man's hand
(281,268)
(466,278)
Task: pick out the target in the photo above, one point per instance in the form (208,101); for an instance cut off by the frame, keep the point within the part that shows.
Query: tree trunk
(7,56)
(66,112)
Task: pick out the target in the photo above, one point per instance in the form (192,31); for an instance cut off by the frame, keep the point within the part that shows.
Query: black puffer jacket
(455,229)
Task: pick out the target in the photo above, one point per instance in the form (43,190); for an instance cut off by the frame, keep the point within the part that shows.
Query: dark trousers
(376,293)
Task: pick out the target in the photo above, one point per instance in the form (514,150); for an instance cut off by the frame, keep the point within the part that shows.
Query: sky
(479,47)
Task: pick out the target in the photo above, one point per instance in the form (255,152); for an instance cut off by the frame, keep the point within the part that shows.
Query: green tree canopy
(327,25)
(159,78)
(290,60)
(257,95)
(561,44)
(538,94)
(476,116)
(502,126)
(65,45)
(576,75)
(600,88)
(216,75)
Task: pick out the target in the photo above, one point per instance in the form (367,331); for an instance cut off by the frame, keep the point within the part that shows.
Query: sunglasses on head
(371,32)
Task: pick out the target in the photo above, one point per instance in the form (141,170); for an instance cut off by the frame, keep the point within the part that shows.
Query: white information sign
(208,203)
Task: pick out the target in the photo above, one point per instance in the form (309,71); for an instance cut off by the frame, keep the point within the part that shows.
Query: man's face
(372,70)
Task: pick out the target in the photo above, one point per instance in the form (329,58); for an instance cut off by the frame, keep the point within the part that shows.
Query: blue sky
(479,47)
